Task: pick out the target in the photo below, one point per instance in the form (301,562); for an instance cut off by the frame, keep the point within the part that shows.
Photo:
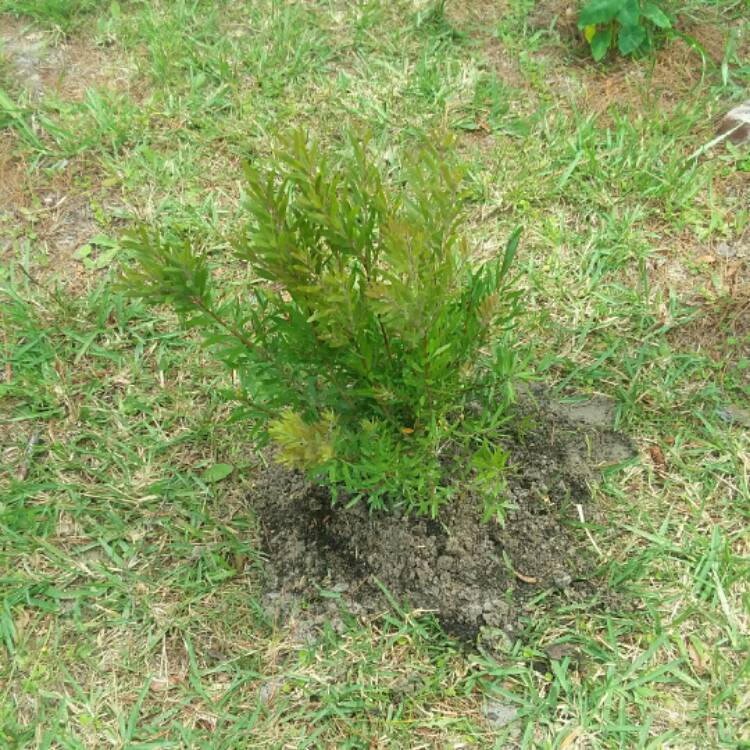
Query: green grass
(130,607)
(63,15)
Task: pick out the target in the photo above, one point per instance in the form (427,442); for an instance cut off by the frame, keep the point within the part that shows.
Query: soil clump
(474,576)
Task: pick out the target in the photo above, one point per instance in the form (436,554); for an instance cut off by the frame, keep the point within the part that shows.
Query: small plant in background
(628,25)
(373,351)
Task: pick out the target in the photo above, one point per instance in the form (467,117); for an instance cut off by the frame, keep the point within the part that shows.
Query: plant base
(471,575)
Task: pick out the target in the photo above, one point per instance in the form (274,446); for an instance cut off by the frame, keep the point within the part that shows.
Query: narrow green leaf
(510,250)
(83,252)
(103,241)
(105,258)
(217,472)
(8,629)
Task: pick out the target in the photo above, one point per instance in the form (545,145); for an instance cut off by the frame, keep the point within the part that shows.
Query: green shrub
(371,349)
(627,24)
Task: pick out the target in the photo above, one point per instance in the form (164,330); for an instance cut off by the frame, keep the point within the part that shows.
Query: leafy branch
(372,325)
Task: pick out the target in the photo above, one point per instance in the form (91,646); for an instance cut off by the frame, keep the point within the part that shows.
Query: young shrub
(373,351)
(627,24)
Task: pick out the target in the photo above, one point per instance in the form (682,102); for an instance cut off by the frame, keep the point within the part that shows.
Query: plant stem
(386,342)
(228,327)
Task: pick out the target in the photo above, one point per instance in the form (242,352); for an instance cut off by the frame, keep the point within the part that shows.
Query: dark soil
(472,575)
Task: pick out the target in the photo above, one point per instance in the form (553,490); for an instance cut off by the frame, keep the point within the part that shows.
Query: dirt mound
(472,575)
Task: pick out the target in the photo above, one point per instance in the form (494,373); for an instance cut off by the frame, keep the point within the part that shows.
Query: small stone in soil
(725,251)
(736,124)
(498,714)
(558,651)
(495,641)
(562,579)
(268,690)
(734,415)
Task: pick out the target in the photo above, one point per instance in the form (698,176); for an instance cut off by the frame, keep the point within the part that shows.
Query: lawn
(131,612)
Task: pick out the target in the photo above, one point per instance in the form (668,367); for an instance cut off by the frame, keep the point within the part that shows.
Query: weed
(627,24)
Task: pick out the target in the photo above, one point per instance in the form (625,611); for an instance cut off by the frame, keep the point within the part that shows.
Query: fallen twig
(579,508)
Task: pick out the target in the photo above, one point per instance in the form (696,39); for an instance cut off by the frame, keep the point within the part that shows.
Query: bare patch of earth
(720,328)
(475,577)
(53,214)
(50,211)
(39,62)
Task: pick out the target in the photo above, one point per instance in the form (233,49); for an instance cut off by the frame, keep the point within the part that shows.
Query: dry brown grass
(53,210)
(14,179)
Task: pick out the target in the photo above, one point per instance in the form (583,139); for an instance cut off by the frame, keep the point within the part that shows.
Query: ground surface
(480,579)
(132,609)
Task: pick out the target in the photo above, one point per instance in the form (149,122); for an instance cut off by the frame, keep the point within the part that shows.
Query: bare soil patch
(40,63)
(474,576)
(560,15)
(53,210)
(14,178)
(721,329)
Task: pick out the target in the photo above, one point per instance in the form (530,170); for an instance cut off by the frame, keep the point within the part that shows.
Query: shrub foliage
(370,347)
